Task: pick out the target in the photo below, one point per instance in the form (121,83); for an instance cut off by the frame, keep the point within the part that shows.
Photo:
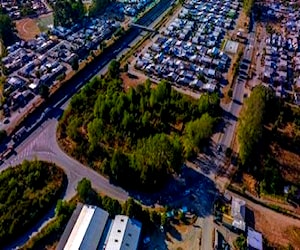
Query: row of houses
(16,9)
(133,7)
(282,52)
(188,51)
(49,57)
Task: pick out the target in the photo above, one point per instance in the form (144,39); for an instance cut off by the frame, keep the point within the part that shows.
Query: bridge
(142,27)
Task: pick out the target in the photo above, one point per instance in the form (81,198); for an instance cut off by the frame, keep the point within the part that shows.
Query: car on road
(219,148)
(6,121)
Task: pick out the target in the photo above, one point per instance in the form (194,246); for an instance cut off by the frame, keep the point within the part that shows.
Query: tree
(247,6)
(209,103)
(98,6)
(164,219)
(156,157)
(84,190)
(75,64)
(44,91)
(73,129)
(256,111)
(27,192)
(64,208)
(6,29)
(68,12)
(132,209)
(114,69)
(112,206)
(241,242)
(3,135)
(197,132)
(118,166)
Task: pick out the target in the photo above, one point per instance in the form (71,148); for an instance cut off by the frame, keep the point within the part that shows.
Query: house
(238,211)
(254,240)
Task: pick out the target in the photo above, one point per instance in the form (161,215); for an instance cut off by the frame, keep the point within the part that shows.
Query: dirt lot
(27,28)
(276,228)
(132,81)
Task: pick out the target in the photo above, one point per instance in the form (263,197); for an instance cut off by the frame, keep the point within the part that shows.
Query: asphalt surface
(41,142)
(232,113)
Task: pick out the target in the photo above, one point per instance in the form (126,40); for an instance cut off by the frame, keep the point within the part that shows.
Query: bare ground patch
(27,28)
(132,80)
(276,227)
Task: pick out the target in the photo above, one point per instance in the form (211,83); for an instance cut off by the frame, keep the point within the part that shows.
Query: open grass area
(45,22)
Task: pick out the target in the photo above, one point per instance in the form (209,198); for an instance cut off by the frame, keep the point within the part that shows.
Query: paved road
(238,94)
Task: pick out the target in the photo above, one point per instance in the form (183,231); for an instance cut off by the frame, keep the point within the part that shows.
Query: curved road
(42,145)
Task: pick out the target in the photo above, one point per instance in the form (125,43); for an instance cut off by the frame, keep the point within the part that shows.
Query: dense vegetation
(98,6)
(247,6)
(6,28)
(259,108)
(138,137)
(54,229)
(267,127)
(130,207)
(68,12)
(27,191)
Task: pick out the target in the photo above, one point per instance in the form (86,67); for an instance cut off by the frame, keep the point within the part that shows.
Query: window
(129,234)
(127,245)
(116,240)
(122,220)
(119,231)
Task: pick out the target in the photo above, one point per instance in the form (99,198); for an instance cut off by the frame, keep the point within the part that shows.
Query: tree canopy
(98,6)
(68,12)
(6,29)
(257,110)
(247,6)
(26,193)
(136,136)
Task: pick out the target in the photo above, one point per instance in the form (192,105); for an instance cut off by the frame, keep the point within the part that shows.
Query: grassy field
(45,22)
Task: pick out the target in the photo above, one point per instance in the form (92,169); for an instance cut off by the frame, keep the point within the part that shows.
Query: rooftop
(124,234)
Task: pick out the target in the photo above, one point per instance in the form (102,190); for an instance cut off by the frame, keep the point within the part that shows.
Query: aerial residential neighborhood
(141,124)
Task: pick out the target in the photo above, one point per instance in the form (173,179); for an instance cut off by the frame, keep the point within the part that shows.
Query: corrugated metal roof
(88,229)
(124,234)
(95,230)
(254,239)
(80,228)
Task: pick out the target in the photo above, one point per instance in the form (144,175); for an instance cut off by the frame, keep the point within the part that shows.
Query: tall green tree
(196,133)
(98,6)
(255,112)
(84,190)
(6,29)
(68,12)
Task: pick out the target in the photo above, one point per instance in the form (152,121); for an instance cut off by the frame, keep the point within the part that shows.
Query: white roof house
(254,239)
(238,211)
(124,234)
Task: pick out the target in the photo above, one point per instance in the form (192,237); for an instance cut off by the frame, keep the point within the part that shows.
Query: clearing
(27,28)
